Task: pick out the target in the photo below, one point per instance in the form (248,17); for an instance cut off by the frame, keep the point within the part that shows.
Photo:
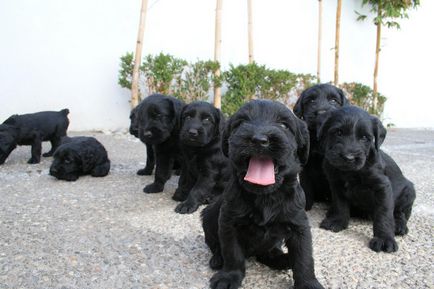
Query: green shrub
(363,96)
(197,80)
(126,71)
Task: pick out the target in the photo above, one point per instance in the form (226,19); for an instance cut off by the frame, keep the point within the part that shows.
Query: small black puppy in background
(134,130)
(262,206)
(78,156)
(158,122)
(311,106)
(205,167)
(32,129)
(362,176)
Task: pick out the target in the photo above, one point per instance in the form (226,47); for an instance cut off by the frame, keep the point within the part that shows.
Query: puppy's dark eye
(283,125)
(67,161)
(312,100)
(365,138)
(187,117)
(339,132)
(333,101)
(206,120)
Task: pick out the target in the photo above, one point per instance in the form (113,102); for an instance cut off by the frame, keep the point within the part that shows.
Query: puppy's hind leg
(55,142)
(403,207)
(101,170)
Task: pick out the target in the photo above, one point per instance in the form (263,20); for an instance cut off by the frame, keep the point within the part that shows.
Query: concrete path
(105,233)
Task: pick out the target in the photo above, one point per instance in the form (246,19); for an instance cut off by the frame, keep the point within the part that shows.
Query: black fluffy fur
(311,107)
(134,130)
(32,129)
(206,168)
(158,125)
(254,220)
(364,177)
(79,156)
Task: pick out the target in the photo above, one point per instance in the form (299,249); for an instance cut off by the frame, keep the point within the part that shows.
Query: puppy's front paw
(313,284)
(387,244)
(186,207)
(179,195)
(216,262)
(153,188)
(48,154)
(33,161)
(333,224)
(145,172)
(401,229)
(226,280)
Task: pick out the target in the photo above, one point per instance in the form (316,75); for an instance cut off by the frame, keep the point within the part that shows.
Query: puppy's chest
(358,190)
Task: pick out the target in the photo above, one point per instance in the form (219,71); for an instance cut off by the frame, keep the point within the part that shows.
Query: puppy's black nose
(193,132)
(147,133)
(261,140)
(321,111)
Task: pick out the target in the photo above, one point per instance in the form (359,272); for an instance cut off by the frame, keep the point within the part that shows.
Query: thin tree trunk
(138,56)
(318,68)
(377,57)
(250,30)
(338,28)
(217,50)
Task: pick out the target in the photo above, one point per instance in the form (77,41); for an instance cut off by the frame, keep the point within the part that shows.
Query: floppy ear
(220,122)
(303,141)
(225,139)
(177,107)
(298,107)
(379,132)
(344,99)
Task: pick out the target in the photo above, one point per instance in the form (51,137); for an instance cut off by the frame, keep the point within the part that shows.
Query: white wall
(56,54)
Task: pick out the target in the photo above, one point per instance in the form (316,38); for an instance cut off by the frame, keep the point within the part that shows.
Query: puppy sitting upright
(205,167)
(262,206)
(79,156)
(311,106)
(134,130)
(32,129)
(363,176)
(158,117)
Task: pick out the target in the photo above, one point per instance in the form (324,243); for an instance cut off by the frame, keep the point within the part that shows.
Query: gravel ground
(106,233)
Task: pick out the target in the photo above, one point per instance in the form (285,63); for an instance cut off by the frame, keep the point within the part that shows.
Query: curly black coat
(79,156)
(364,178)
(311,107)
(32,129)
(205,169)
(256,220)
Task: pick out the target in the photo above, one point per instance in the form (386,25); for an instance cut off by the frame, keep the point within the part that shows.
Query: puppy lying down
(262,206)
(79,156)
(363,178)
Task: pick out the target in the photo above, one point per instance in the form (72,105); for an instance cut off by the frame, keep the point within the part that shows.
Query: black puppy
(206,168)
(311,106)
(262,206)
(363,176)
(158,119)
(79,156)
(32,129)
(134,130)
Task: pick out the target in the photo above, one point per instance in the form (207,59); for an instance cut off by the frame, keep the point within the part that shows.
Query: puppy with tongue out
(262,206)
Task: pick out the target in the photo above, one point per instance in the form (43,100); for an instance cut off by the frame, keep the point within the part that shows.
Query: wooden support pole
(338,28)
(138,56)
(217,50)
(250,30)
(318,67)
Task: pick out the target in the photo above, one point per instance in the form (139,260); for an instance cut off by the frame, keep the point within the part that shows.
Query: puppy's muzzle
(193,133)
(260,140)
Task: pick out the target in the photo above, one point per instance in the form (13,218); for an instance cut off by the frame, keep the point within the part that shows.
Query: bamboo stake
(217,50)
(318,68)
(250,28)
(138,56)
(338,28)
(377,57)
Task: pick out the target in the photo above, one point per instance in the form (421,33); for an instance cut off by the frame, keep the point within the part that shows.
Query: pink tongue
(260,171)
